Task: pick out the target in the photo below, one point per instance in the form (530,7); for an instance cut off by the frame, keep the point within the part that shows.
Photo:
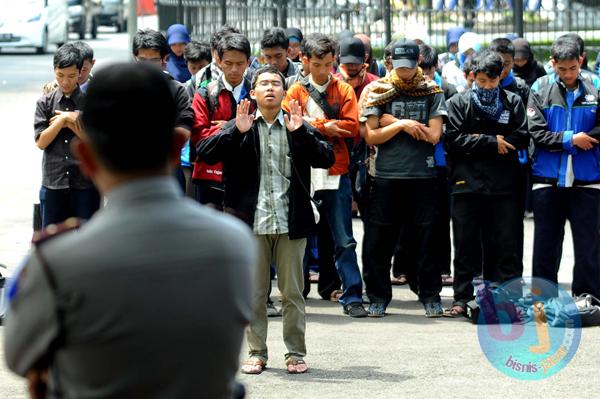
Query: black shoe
(355,309)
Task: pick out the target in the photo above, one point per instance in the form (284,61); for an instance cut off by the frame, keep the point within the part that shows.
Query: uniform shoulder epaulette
(55,230)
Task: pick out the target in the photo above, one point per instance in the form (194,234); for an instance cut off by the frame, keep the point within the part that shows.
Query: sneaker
(272,311)
(376,310)
(355,309)
(434,309)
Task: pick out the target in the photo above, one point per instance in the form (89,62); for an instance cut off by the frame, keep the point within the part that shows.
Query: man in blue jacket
(564,124)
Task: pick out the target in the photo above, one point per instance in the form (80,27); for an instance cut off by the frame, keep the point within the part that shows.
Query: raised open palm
(294,121)
(243,119)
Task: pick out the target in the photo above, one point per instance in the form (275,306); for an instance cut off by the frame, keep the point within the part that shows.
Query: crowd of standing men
(476,136)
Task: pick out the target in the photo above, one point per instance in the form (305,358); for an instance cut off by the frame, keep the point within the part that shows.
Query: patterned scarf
(385,89)
(487,101)
(355,81)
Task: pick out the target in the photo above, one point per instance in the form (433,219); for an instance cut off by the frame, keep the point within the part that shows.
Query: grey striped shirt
(272,208)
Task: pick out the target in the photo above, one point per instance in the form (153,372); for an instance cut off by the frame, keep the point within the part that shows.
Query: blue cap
(178,34)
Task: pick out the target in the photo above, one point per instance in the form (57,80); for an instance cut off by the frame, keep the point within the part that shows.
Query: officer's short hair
(488,62)
(129,116)
(67,55)
(150,39)
(565,48)
(267,69)
(273,38)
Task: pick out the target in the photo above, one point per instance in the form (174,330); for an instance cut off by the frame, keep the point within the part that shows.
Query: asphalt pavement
(403,355)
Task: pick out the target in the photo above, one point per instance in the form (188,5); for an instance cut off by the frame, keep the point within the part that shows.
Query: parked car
(84,17)
(114,13)
(33,23)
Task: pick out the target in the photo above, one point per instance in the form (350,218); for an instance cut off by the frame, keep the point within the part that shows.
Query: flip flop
(456,311)
(292,366)
(253,365)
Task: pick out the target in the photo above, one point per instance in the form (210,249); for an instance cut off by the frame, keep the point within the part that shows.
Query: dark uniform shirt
(60,169)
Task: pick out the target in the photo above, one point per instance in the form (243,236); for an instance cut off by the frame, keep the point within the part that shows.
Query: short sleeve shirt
(403,157)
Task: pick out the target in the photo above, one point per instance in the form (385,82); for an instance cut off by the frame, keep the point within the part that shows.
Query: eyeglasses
(266,83)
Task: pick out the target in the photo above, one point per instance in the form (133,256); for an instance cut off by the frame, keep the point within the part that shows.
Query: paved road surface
(402,355)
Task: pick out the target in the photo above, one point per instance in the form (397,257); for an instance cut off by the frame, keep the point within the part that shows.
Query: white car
(33,23)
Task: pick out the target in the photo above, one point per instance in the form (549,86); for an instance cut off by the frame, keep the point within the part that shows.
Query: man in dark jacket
(565,126)
(485,128)
(266,168)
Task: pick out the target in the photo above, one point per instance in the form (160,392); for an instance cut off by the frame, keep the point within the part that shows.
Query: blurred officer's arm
(31,325)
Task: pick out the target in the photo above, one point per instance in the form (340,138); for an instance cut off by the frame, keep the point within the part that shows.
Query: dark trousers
(59,205)
(329,278)
(484,225)
(209,193)
(400,205)
(404,256)
(581,207)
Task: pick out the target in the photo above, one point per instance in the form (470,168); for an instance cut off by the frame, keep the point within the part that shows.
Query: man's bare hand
(503,145)
(243,120)
(386,120)
(295,119)
(333,130)
(584,141)
(414,129)
(217,122)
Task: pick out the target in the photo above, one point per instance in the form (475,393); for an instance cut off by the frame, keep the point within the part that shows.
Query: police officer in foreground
(117,308)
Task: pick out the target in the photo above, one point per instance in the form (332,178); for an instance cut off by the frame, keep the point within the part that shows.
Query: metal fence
(428,20)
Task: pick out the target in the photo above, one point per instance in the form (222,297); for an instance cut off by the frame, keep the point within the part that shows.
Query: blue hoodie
(177,66)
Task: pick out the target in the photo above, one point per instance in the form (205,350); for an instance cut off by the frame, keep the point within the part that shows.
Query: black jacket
(473,160)
(240,154)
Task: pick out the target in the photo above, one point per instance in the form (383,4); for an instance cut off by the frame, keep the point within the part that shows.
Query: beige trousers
(287,255)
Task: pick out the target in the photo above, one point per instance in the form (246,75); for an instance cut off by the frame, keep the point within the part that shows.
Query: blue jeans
(58,205)
(336,211)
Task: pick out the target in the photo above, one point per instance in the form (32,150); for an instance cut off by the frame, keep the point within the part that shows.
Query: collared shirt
(238,91)
(320,178)
(272,207)
(60,169)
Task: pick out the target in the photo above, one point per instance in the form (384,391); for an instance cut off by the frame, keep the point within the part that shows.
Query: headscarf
(177,66)
(530,71)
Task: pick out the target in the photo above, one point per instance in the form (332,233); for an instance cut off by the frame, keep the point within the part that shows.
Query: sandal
(313,277)
(456,311)
(296,366)
(335,295)
(253,365)
(400,280)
